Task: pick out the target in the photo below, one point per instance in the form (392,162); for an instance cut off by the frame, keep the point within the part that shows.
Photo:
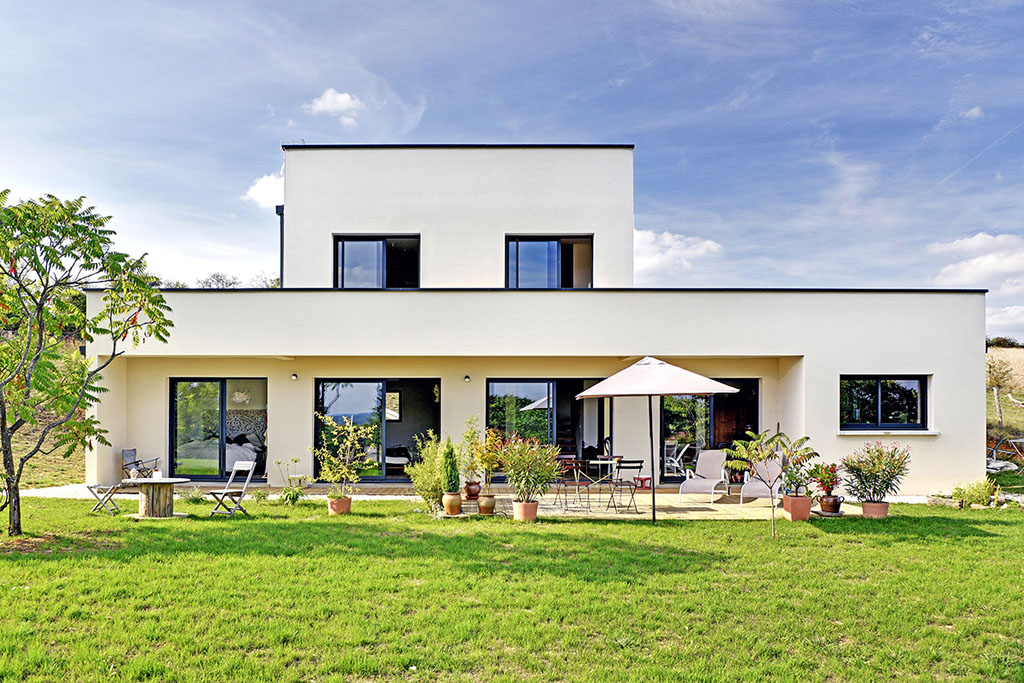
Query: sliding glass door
(216,423)
(524,407)
(362,402)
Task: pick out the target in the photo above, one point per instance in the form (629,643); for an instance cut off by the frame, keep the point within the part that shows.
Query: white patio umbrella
(651,377)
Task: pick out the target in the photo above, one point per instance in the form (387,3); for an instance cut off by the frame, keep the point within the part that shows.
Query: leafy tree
(998,376)
(51,250)
(219,281)
(1003,343)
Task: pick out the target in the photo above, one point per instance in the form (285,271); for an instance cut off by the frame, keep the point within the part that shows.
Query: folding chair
(227,494)
(104,496)
(130,461)
(622,482)
(573,478)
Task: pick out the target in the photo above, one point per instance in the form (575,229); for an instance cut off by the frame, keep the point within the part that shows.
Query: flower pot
(452,503)
(797,508)
(472,490)
(485,503)
(830,503)
(874,510)
(524,512)
(339,506)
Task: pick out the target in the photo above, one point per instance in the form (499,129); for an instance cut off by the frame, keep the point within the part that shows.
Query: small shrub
(425,473)
(259,495)
(290,495)
(530,466)
(449,469)
(975,493)
(194,495)
(875,470)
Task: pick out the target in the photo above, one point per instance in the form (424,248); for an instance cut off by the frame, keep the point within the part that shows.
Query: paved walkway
(669,506)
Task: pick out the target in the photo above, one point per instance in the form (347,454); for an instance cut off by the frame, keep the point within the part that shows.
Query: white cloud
(267,191)
(993,261)
(659,258)
(341,104)
(972,114)
(1006,321)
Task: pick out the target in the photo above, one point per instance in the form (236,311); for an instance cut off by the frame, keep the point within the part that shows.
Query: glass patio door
(197,427)
(524,407)
(362,402)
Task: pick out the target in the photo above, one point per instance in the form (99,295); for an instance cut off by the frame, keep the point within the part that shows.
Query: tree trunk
(14,509)
(771,494)
(999,406)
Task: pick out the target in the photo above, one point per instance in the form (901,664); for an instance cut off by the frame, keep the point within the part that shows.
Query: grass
(48,470)
(295,595)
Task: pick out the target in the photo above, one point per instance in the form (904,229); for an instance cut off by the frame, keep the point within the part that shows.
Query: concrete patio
(692,507)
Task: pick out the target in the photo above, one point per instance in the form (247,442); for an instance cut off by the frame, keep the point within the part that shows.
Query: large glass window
(361,402)
(524,407)
(549,262)
(216,423)
(377,262)
(882,402)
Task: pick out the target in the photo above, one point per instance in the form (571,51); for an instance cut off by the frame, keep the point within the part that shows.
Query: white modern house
(425,284)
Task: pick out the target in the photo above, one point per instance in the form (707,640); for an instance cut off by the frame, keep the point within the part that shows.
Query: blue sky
(777,143)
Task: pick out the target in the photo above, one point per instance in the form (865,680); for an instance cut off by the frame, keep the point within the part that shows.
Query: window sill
(887,432)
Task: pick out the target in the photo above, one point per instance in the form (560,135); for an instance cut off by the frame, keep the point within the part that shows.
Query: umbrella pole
(650,430)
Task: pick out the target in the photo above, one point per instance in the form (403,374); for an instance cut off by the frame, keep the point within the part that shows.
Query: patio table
(156,496)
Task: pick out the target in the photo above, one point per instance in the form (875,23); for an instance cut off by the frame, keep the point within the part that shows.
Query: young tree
(51,250)
(219,281)
(998,376)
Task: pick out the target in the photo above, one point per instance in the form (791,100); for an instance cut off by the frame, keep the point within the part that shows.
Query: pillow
(238,439)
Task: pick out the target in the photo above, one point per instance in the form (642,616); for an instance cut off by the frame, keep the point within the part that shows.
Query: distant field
(1013,417)
(48,470)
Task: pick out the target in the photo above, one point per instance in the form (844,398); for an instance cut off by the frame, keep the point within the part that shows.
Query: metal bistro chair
(228,494)
(574,478)
(623,481)
(130,463)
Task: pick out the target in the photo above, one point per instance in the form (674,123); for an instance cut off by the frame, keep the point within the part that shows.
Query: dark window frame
(560,238)
(339,261)
(878,425)
(222,411)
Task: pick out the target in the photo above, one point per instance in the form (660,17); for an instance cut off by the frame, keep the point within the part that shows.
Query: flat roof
(290,146)
(632,290)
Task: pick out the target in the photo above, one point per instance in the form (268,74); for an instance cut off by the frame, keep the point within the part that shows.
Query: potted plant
(827,478)
(451,500)
(529,468)
(469,451)
(764,448)
(425,473)
(873,472)
(488,463)
(796,501)
(342,458)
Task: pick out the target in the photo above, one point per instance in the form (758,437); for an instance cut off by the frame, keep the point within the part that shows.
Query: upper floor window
(377,262)
(882,402)
(549,262)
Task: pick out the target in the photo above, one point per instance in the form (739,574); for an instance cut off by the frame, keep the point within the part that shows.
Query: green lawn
(295,595)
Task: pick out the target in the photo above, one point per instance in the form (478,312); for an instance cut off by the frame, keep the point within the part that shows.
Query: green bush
(449,469)
(875,470)
(529,467)
(975,493)
(194,495)
(425,473)
(259,495)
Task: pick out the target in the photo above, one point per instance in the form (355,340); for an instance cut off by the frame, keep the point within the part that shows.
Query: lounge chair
(708,475)
(675,460)
(227,494)
(753,487)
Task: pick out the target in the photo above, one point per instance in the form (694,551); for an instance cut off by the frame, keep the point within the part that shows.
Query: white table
(156,495)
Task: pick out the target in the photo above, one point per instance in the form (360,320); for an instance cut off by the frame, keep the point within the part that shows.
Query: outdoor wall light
(294,376)
(466,378)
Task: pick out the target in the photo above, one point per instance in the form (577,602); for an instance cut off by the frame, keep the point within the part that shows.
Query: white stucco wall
(797,343)
(462,202)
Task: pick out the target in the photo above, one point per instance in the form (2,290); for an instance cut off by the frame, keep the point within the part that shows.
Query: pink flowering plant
(875,470)
(826,477)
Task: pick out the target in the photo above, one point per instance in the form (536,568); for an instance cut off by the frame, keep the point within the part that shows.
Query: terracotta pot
(830,503)
(875,510)
(452,503)
(486,504)
(797,508)
(339,506)
(472,490)
(524,512)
